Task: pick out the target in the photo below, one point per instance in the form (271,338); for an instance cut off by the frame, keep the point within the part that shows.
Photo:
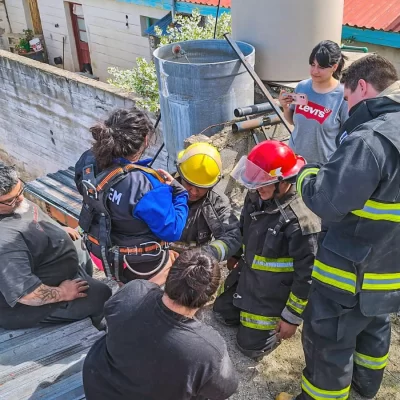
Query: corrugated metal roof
(224,3)
(59,190)
(45,362)
(373,14)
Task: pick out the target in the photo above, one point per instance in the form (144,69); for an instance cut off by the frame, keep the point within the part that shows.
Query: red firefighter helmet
(267,163)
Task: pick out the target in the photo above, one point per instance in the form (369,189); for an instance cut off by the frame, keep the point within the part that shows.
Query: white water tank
(284,32)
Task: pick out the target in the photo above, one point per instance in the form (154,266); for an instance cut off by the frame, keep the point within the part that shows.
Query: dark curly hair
(193,278)
(8,178)
(123,134)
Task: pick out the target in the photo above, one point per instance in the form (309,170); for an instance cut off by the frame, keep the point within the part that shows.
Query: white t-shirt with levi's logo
(317,124)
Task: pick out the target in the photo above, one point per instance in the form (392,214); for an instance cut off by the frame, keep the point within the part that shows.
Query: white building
(102,33)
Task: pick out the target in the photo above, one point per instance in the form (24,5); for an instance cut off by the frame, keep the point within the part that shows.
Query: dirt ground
(281,370)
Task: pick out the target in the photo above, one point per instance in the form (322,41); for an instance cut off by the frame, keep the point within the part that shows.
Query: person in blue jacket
(130,212)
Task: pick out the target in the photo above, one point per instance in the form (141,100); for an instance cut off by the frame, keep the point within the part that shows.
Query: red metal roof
(370,14)
(224,3)
(373,14)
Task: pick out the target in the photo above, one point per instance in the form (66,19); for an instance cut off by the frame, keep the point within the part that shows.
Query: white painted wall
(17,15)
(4,26)
(391,53)
(111,42)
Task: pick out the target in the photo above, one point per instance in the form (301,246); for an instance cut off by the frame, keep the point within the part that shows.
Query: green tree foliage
(142,79)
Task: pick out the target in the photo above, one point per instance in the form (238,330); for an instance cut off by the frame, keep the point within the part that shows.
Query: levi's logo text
(314,111)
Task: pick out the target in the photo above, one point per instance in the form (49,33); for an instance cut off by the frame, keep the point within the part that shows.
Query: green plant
(28,34)
(142,79)
(23,44)
(192,28)
(349,40)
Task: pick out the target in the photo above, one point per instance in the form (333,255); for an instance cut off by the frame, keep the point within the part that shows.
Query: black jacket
(357,196)
(211,224)
(278,255)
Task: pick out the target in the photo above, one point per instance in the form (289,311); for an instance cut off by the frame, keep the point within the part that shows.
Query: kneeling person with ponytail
(155,348)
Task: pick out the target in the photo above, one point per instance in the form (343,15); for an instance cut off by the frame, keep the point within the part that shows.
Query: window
(146,23)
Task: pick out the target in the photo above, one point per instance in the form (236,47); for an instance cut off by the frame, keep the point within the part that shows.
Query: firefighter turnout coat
(212,225)
(356,274)
(357,196)
(279,245)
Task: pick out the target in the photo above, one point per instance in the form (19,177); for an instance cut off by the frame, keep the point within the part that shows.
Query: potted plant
(23,46)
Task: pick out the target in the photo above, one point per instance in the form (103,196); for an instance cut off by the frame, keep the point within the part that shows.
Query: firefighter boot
(284,396)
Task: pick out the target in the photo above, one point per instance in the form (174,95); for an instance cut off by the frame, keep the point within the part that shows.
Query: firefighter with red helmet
(267,288)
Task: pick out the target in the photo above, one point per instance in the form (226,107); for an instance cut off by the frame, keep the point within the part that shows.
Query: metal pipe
(7,16)
(254,123)
(258,81)
(272,119)
(63,52)
(354,48)
(216,19)
(162,146)
(254,109)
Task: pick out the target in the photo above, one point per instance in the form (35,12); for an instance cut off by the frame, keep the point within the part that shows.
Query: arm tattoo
(42,295)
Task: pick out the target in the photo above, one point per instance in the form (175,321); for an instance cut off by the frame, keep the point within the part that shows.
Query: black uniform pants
(91,306)
(255,337)
(342,347)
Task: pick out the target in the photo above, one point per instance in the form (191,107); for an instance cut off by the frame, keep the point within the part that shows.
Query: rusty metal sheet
(57,195)
(378,15)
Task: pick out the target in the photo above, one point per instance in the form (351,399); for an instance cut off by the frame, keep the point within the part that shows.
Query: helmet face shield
(252,176)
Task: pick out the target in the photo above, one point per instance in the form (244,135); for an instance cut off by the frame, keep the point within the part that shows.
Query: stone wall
(45,113)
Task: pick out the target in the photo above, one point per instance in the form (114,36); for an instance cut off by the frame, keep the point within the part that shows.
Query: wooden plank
(36,22)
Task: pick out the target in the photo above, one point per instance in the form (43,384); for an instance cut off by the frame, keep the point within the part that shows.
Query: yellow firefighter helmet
(200,165)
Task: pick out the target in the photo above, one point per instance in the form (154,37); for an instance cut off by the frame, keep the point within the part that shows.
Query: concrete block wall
(46,113)
(391,53)
(111,42)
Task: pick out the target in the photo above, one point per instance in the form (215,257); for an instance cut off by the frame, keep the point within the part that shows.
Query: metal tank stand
(162,146)
(258,81)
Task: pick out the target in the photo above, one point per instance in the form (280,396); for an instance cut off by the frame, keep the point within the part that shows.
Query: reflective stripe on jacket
(277,260)
(357,196)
